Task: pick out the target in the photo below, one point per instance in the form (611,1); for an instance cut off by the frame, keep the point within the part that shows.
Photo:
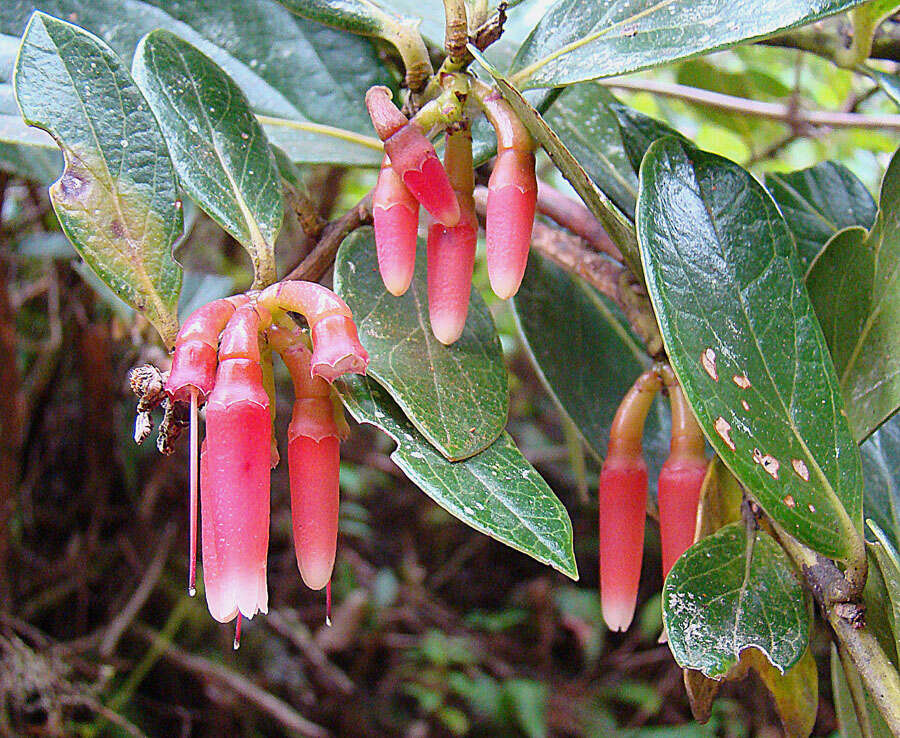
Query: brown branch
(574,216)
(320,259)
(268,703)
(756,108)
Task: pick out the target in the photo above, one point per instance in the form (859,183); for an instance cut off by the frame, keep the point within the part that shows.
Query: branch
(756,108)
(255,695)
(320,259)
(845,617)
(575,255)
(574,216)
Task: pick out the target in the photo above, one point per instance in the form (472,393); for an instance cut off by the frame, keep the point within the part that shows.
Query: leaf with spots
(735,589)
(220,151)
(457,396)
(116,199)
(854,284)
(496,492)
(741,335)
(818,202)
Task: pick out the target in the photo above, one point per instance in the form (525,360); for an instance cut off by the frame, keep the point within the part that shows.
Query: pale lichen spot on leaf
(741,381)
(801,469)
(708,359)
(723,428)
(768,462)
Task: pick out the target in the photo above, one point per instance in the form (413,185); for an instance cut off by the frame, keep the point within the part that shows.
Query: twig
(857,695)
(826,44)
(310,220)
(456,30)
(574,216)
(756,108)
(128,613)
(293,630)
(277,709)
(320,259)
(828,584)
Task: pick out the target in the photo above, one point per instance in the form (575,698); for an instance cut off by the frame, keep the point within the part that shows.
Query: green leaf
(577,40)
(303,80)
(116,199)
(583,120)
(639,131)
(611,218)
(220,152)
(26,151)
(742,337)
(889,566)
(855,288)
(889,83)
(731,591)
(818,202)
(881,469)
(496,492)
(456,396)
(357,16)
(588,367)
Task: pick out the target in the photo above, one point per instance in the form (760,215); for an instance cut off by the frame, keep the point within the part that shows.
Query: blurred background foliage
(437,630)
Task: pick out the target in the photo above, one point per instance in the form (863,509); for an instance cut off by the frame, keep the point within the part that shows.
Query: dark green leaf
(305,81)
(889,567)
(855,288)
(456,396)
(578,40)
(220,151)
(357,16)
(116,199)
(881,469)
(496,492)
(616,224)
(818,202)
(639,131)
(582,119)
(731,591)
(742,337)
(588,367)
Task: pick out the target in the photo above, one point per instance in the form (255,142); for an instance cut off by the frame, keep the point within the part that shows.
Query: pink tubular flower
(412,157)
(623,500)
(512,196)
(451,250)
(234,484)
(680,481)
(336,346)
(395,213)
(314,463)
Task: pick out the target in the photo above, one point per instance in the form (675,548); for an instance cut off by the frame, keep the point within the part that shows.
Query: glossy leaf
(731,591)
(889,566)
(220,152)
(582,118)
(616,224)
(855,288)
(496,492)
(881,469)
(457,396)
(578,40)
(818,202)
(302,79)
(639,131)
(742,337)
(588,367)
(116,199)
(357,16)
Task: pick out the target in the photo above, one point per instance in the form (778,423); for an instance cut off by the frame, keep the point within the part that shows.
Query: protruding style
(235,468)
(451,250)
(313,460)
(412,157)
(623,501)
(512,196)
(395,213)
(680,480)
